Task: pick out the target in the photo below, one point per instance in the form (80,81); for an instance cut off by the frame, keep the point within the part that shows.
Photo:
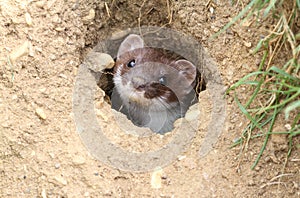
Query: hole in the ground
(136,109)
(102,128)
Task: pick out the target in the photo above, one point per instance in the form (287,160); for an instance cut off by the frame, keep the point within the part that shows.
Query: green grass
(275,88)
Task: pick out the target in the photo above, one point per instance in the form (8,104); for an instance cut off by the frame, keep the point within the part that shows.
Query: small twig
(107,9)
(282,19)
(291,39)
(276,33)
(112,3)
(268,104)
(152,8)
(170,15)
(249,134)
(280,176)
(140,16)
(207,3)
(295,160)
(273,183)
(244,146)
(277,43)
(274,178)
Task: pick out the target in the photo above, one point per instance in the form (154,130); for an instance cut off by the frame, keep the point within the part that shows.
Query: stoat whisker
(119,69)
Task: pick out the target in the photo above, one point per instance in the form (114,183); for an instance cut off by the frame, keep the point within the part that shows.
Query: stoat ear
(131,42)
(187,69)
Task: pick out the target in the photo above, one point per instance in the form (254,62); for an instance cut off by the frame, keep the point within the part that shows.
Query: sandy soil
(42,155)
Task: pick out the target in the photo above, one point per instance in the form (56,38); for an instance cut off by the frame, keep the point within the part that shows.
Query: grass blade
(291,107)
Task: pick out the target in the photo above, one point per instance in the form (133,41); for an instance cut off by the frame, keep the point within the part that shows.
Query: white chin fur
(128,93)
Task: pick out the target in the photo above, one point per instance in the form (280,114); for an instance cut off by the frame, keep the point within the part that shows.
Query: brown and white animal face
(150,79)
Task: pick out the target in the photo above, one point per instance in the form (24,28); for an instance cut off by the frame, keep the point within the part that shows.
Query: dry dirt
(42,154)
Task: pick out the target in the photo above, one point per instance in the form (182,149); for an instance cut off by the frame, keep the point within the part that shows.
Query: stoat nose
(138,82)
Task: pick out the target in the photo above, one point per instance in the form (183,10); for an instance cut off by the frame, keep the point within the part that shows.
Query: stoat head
(149,78)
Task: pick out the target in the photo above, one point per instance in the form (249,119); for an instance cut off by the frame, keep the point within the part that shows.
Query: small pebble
(296,185)
(156,178)
(60,29)
(63,76)
(28,19)
(57,165)
(40,112)
(52,155)
(119,34)
(52,57)
(61,180)
(99,61)
(247,44)
(14,97)
(90,16)
(40,4)
(181,157)
(215,29)
(257,168)
(288,126)
(43,193)
(27,191)
(78,160)
(205,176)
(5,125)
(251,182)
(31,51)
(20,51)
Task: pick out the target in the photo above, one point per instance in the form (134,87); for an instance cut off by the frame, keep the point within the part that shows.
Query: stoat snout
(138,82)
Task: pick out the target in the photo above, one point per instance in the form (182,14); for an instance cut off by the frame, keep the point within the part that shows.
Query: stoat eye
(131,63)
(162,80)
